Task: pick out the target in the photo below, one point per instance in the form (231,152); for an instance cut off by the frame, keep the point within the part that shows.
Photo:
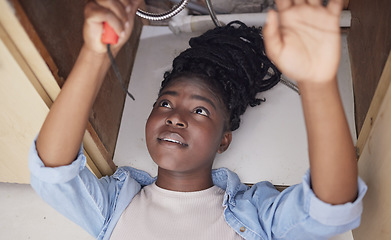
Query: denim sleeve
(296,213)
(74,191)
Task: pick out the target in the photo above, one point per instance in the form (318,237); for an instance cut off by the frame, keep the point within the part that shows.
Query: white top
(156,213)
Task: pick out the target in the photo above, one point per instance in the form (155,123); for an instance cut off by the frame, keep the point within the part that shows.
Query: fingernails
(128,8)
(127,25)
(122,34)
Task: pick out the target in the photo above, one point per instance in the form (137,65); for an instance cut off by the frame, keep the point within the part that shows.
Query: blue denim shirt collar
(222,177)
(142,177)
(230,182)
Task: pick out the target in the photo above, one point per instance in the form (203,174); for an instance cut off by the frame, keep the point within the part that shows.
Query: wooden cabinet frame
(27,34)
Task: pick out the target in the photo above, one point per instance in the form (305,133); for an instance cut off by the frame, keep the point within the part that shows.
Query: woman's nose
(176,121)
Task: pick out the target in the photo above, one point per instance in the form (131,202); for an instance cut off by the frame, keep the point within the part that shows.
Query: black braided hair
(233,60)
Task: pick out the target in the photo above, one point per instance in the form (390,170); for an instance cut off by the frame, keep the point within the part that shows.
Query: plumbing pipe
(195,7)
(162,16)
(188,23)
(212,14)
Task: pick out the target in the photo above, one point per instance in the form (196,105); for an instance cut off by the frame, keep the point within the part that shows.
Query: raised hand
(303,39)
(119,14)
(59,140)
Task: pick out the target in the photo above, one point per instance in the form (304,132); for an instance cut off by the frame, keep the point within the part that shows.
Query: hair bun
(234,58)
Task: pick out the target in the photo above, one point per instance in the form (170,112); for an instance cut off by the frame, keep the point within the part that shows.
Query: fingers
(112,12)
(272,36)
(118,14)
(335,6)
(314,2)
(116,7)
(132,6)
(283,4)
(298,2)
(95,15)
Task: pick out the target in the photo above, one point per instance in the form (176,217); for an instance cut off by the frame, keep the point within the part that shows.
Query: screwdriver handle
(108,36)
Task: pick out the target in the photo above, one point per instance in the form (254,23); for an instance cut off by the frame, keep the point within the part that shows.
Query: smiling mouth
(173,141)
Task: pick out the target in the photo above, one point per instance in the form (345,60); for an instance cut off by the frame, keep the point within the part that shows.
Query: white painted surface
(271,142)
(24,215)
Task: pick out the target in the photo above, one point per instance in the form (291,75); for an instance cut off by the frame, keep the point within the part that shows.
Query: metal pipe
(213,14)
(203,23)
(193,6)
(162,16)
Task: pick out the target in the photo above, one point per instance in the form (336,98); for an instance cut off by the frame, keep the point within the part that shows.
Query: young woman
(199,105)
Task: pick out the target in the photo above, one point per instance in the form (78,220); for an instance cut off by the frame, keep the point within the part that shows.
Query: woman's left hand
(303,39)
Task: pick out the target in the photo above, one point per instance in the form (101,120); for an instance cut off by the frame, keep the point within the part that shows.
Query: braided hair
(233,61)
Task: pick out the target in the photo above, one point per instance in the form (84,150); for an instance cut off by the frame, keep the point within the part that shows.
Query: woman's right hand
(119,14)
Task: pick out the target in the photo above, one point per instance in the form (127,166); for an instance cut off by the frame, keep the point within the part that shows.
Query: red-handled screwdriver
(110,37)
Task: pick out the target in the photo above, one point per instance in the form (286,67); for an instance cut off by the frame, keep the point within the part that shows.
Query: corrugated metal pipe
(188,23)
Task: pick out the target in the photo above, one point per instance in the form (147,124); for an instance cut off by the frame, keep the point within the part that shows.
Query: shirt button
(242,229)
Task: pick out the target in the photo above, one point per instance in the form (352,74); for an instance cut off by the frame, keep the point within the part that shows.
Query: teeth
(170,140)
(173,141)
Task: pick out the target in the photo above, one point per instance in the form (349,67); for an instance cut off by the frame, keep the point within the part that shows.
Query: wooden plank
(374,168)
(24,66)
(23,112)
(30,30)
(345,4)
(27,49)
(369,44)
(15,168)
(378,97)
(97,152)
(59,25)
(34,69)
(91,165)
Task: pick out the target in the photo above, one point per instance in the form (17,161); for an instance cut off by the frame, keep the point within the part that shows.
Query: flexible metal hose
(162,16)
(213,14)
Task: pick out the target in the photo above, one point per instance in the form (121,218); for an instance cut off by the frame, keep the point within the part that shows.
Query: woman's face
(186,127)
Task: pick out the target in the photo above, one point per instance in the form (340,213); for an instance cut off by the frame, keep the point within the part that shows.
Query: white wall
(271,143)
(23,215)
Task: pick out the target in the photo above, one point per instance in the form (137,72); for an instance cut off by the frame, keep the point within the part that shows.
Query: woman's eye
(165,104)
(201,111)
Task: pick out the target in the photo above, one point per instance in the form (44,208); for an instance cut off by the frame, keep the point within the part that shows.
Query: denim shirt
(260,212)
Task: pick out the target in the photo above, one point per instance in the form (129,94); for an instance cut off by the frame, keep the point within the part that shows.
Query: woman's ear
(225,142)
